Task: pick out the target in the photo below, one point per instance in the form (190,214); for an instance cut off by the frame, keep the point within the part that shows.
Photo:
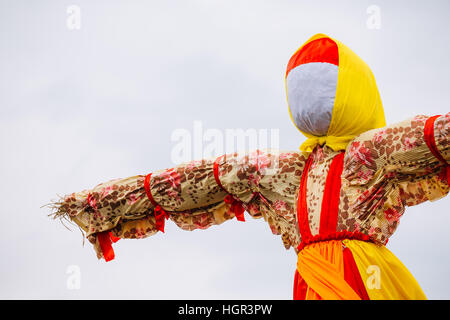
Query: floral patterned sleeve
(194,195)
(390,168)
(399,153)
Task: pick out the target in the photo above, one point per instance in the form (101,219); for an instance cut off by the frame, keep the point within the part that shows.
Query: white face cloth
(311,89)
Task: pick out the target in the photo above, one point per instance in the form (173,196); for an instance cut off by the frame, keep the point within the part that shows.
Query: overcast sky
(82,106)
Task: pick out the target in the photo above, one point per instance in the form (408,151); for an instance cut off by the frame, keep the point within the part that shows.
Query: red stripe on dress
(300,287)
(352,275)
(320,50)
(331,194)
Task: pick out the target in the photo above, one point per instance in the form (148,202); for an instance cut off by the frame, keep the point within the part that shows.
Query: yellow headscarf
(357,106)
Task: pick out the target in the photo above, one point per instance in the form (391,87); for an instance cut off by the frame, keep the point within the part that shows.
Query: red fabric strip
(341,235)
(352,275)
(300,287)
(331,194)
(104,240)
(160,217)
(113,238)
(236,207)
(160,214)
(147,190)
(295,294)
(216,173)
(320,50)
(302,208)
(430,140)
(105,237)
(431,143)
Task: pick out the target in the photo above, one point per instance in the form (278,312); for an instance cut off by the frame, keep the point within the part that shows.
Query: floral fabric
(385,170)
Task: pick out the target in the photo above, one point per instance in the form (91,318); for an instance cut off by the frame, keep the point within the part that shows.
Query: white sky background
(80,107)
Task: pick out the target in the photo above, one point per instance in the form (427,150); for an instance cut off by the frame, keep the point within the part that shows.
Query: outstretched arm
(414,154)
(390,168)
(195,195)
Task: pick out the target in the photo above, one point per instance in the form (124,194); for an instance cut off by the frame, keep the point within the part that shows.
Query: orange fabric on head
(320,50)
(321,265)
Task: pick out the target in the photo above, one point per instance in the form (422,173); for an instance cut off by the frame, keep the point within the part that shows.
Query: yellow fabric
(357,106)
(321,265)
(382,273)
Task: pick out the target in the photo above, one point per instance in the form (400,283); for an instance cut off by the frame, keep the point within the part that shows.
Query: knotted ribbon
(105,238)
(161,215)
(431,143)
(236,207)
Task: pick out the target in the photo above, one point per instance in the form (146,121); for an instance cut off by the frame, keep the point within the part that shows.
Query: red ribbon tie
(236,207)
(105,240)
(161,216)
